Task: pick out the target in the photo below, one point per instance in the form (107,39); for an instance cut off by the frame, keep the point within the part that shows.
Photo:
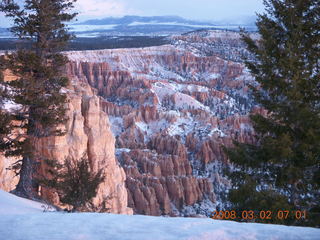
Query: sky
(209,10)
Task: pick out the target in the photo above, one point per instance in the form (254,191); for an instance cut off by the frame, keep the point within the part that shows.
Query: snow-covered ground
(11,205)
(21,219)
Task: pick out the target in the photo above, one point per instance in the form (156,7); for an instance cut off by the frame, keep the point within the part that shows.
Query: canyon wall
(88,134)
(8,179)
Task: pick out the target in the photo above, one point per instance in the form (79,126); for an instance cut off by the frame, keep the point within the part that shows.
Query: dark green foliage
(74,181)
(246,198)
(5,118)
(97,43)
(283,167)
(37,90)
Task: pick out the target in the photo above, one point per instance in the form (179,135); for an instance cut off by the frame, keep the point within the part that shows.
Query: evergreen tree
(74,181)
(281,171)
(4,116)
(37,90)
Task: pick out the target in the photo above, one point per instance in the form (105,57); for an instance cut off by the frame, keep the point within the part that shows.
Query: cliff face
(88,133)
(8,180)
(171,109)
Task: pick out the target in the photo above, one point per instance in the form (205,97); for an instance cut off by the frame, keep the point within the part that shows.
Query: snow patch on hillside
(181,100)
(217,131)
(170,24)
(11,106)
(84,28)
(184,101)
(116,124)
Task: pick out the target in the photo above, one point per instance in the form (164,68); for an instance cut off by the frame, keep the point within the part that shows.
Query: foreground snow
(11,204)
(22,219)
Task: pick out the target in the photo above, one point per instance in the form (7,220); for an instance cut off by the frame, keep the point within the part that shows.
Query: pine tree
(282,170)
(37,90)
(4,116)
(74,181)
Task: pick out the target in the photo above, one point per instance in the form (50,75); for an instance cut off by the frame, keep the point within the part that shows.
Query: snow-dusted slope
(11,204)
(34,224)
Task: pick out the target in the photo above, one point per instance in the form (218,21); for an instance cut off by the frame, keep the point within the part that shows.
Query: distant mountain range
(142,26)
(127,20)
(154,25)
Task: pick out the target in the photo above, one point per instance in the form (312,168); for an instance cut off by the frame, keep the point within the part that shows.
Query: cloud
(102,8)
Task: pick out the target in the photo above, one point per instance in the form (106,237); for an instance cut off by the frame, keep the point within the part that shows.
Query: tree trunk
(27,186)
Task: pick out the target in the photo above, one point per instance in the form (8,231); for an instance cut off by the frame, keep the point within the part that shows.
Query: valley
(171,110)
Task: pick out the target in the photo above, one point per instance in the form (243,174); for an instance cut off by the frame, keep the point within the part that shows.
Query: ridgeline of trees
(282,170)
(79,44)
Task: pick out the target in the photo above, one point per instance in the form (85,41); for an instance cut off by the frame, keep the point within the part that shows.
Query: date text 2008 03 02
(262,215)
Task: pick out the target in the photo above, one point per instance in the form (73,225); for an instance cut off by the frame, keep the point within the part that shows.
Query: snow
(121,150)
(84,28)
(218,131)
(229,34)
(182,127)
(215,75)
(116,124)
(11,204)
(170,24)
(10,106)
(22,219)
(163,89)
(183,101)
(178,125)
(142,125)
(244,127)
(127,56)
